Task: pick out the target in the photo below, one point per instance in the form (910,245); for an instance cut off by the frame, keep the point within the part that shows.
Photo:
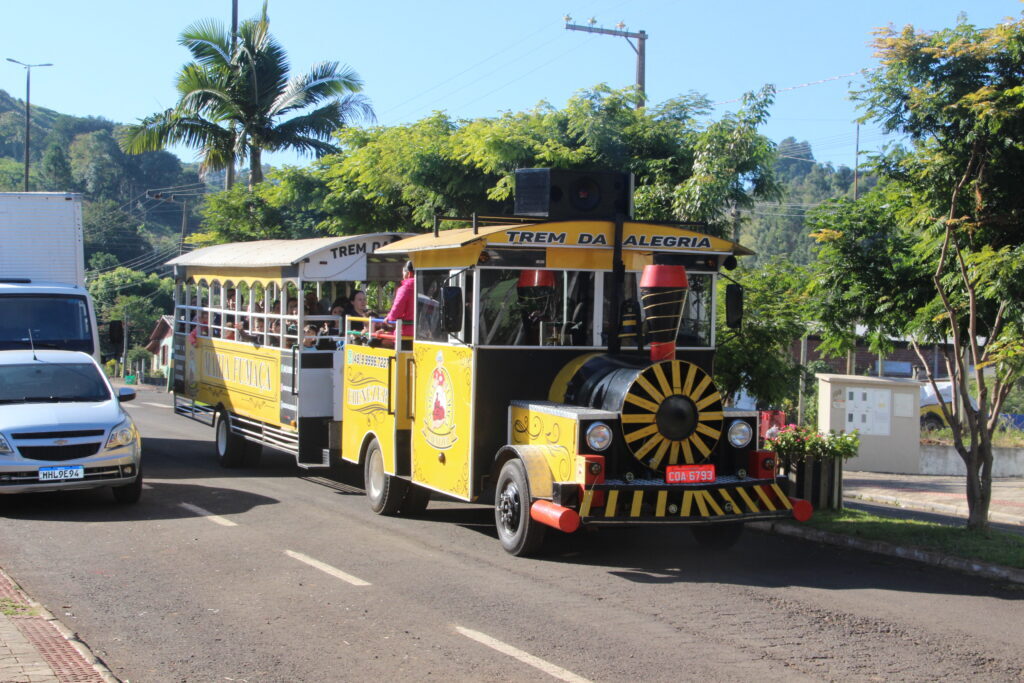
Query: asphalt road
(162,591)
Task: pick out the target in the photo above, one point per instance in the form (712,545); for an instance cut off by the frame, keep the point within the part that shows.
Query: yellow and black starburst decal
(672,415)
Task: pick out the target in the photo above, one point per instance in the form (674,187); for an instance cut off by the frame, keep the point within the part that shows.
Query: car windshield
(42,382)
(54,321)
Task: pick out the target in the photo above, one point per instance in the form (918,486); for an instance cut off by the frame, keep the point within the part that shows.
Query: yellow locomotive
(561,369)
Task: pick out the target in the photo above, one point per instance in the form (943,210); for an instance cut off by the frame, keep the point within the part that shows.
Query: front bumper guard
(640,501)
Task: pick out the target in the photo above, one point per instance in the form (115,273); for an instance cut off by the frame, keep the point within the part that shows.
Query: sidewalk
(938,494)
(36,648)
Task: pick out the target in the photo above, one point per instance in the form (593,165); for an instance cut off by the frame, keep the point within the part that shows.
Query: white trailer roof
(317,258)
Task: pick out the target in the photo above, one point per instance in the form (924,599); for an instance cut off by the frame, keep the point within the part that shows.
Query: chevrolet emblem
(60,442)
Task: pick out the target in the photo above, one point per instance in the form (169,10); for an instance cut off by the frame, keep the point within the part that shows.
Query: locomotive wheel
(416,500)
(230,447)
(717,536)
(672,414)
(384,491)
(518,533)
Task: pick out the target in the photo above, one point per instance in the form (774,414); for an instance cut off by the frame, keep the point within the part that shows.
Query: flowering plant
(796,444)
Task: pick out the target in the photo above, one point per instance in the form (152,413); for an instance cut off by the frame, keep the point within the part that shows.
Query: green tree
(954,208)
(236,99)
(402,176)
(97,165)
(56,173)
(758,357)
(107,288)
(110,230)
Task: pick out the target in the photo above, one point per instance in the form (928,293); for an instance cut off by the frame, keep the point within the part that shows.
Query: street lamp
(28,107)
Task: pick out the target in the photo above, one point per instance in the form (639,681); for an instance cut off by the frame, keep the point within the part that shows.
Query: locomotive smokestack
(662,294)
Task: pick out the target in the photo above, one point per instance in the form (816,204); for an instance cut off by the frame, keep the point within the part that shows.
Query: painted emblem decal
(439,416)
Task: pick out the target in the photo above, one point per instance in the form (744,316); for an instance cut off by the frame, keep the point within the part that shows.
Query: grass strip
(995,547)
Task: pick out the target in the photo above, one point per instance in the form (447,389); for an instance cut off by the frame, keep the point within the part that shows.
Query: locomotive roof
(571,234)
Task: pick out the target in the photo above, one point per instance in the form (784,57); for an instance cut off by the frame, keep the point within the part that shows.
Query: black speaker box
(557,194)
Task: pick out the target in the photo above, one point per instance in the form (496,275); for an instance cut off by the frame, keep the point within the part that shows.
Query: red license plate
(690,474)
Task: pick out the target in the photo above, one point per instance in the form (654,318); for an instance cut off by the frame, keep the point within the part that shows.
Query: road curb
(941,508)
(983,569)
(72,638)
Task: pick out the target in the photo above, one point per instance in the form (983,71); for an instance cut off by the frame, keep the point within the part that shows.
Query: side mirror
(115,333)
(733,306)
(451,309)
(125,394)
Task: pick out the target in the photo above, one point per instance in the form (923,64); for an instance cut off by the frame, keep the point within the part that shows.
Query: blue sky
(118,58)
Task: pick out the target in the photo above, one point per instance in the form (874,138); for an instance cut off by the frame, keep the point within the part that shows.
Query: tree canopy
(938,253)
(399,177)
(236,98)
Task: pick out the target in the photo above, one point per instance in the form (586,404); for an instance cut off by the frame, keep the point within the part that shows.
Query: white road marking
(327,569)
(525,657)
(158,405)
(146,487)
(216,519)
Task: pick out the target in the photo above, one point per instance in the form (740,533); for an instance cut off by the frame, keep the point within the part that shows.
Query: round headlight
(739,434)
(599,436)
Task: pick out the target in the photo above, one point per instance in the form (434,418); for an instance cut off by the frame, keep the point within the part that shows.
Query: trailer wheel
(718,536)
(230,447)
(416,500)
(518,533)
(384,491)
(253,453)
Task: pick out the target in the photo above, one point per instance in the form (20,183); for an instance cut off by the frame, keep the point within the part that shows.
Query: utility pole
(28,108)
(640,48)
(850,362)
(176,199)
(124,357)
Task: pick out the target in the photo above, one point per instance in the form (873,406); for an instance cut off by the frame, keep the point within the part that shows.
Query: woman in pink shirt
(404,306)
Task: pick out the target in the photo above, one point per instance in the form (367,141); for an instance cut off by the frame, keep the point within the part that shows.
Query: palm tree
(233,101)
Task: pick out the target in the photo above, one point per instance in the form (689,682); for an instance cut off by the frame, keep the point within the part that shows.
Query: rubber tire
(519,534)
(129,493)
(416,500)
(384,491)
(230,447)
(931,422)
(253,453)
(717,536)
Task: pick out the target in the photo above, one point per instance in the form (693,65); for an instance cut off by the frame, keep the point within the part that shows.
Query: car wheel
(717,536)
(384,491)
(930,422)
(518,533)
(129,493)
(230,447)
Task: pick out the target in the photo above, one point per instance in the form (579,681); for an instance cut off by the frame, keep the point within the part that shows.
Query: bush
(795,443)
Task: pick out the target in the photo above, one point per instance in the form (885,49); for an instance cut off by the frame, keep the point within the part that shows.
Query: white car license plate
(61,473)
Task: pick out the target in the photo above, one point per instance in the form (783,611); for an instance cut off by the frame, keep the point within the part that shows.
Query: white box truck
(43,300)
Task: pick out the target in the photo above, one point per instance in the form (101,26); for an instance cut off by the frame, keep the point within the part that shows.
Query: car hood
(65,416)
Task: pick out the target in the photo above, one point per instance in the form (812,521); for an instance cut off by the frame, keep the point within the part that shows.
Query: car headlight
(121,435)
(5,448)
(740,434)
(599,436)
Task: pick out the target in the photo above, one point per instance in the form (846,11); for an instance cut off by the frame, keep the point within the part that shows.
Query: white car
(62,426)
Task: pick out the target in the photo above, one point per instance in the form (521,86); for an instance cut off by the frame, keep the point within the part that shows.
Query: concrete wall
(1006,462)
